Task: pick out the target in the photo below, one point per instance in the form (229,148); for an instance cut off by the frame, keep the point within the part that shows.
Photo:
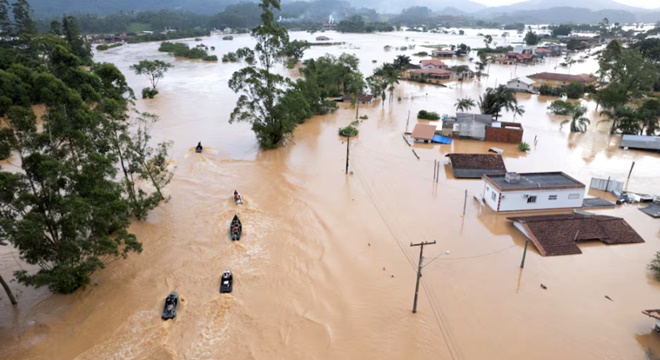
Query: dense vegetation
(183,50)
(68,209)
(428,115)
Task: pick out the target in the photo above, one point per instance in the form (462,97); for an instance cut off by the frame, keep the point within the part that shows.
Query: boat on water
(199,147)
(226,282)
(171,304)
(235,228)
(655,314)
(238,198)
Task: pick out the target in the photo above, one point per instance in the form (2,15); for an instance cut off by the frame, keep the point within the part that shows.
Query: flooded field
(324,269)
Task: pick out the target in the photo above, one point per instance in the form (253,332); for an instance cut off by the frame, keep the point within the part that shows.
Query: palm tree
(401,61)
(578,122)
(391,77)
(378,87)
(494,100)
(464,104)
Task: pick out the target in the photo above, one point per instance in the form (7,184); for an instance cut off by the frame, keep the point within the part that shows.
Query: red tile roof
(432,62)
(559,234)
(582,78)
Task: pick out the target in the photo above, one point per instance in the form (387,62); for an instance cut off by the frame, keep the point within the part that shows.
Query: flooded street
(324,269)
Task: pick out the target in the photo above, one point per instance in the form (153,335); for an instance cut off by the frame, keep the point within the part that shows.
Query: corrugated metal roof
(640,142)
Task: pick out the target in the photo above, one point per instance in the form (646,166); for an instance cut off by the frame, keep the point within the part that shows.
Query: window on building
(552,197)
(493,196)
(574,196)
(531,199)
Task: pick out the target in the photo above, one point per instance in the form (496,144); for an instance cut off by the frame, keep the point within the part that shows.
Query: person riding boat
(227,274)
(237,196)
(235,229)
(199,147)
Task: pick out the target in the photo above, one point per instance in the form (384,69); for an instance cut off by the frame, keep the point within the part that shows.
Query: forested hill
(50,8)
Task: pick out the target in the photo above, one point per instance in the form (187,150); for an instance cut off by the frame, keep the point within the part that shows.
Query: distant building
(532,191)
(504,60)
(362,98)
(472,126)
(521,58)
(322,38)
(521,84)
(561,80)
(438,74)
(443,53)
(432,64)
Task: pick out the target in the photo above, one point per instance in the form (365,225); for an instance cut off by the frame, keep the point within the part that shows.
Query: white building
(521,84)
(532,191)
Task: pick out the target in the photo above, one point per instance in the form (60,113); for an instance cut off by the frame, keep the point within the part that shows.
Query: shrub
(654,266)
(149,93)
(348,131)
(211,58)
(229,57)
(364,117)
(426,115)
(104,47)
(574,91)
(524,147)
(547,90)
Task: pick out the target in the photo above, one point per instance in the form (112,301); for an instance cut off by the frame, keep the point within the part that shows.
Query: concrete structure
(561,80)
(532,191)
(472,126)
(423,133)
(504,132)
(640,142)
(521,84)
(443,53)
(432,64)
(474,166)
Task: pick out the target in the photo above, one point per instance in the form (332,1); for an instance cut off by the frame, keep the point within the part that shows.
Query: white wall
(516,200)
(517,85)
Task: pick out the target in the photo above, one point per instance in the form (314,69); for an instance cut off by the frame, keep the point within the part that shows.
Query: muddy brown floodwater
(324,269)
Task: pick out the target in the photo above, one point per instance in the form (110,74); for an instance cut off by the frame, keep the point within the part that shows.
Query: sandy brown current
(324,269)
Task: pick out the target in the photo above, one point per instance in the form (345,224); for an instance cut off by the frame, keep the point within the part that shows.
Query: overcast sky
(651,4)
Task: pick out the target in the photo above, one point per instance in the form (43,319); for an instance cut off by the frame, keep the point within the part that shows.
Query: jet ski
(171,304)
(238,198)
(226,282)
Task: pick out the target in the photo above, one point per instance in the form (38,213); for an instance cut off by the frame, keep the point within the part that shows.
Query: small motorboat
(238,198)
(199,147)
(171,304)
(226,282)
(236,228)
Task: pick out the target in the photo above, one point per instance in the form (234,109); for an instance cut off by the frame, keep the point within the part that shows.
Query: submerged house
(561,80)
(504,132)
(472,126)
(640,142)
(443,53)
(532,191)
(560,234)
(433,64)
(521,84)
(430,73)
(474,166)
(423,133)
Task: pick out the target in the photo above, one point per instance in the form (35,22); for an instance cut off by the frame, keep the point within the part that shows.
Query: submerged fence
(606,184)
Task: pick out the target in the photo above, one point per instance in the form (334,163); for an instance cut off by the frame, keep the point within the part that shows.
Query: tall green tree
(6,27)
(154,70)
(378,87)
(531,38)
(23,23)
(73,37)
(260,89)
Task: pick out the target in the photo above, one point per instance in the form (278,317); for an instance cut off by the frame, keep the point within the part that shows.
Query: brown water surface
(324,269)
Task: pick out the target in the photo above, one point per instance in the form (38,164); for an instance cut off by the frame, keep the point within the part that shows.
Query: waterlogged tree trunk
(8,291)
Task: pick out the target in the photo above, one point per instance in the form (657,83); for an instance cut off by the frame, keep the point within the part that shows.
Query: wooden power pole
(348,142)
(419,269)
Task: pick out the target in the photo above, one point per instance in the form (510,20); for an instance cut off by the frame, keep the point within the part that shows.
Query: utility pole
(348,141)
(407,121)
(419,269)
